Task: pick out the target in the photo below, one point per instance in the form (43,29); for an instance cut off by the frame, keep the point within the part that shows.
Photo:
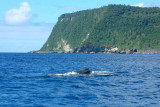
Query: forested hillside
(121,26)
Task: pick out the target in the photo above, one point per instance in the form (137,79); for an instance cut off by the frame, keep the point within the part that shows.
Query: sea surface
(50,80)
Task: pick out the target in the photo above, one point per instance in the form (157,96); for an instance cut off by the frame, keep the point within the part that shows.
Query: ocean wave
(102,73)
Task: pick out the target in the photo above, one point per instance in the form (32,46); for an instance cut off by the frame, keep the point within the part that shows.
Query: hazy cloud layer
(23,38)
(19,15)
(147,5)
(68,8)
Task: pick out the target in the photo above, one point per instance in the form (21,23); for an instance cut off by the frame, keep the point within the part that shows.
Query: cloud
(19,15)
(140,5)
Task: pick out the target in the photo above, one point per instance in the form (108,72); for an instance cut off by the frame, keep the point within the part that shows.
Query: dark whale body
(84,71)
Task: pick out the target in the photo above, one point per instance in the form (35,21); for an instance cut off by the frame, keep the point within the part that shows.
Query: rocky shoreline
(102,50)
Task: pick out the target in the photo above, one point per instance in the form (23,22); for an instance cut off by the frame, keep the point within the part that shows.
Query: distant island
(109,29)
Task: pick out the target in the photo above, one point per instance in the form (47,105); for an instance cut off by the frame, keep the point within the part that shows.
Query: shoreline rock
(102,50)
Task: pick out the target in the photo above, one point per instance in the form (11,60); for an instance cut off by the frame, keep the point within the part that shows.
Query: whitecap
(67,74)
(102,73)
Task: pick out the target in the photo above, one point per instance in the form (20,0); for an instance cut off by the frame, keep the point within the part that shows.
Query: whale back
(84,71)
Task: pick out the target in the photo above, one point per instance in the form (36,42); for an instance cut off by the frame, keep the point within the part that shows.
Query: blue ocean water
(48,80)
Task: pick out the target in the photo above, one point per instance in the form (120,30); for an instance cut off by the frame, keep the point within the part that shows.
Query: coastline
(116,52)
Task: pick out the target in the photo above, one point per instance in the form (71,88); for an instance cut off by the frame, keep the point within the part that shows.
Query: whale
(84,71)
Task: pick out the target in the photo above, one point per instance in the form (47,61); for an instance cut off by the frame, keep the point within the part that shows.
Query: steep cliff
(121,26)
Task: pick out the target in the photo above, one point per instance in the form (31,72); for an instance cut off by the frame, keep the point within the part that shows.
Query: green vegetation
(113,25)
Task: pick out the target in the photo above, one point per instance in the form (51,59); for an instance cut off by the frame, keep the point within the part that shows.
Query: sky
(25,25)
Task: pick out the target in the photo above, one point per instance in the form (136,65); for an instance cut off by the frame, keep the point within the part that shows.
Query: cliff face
(72,30)
(110,27)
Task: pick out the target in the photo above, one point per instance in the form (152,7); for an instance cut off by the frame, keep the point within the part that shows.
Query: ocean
(50,80)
